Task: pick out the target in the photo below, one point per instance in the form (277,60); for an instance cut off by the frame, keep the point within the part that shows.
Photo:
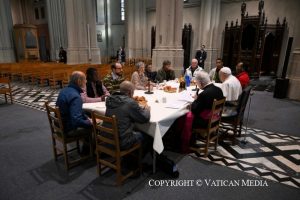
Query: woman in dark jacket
(95,91)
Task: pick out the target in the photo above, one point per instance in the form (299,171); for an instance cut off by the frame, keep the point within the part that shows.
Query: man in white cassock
(230,86)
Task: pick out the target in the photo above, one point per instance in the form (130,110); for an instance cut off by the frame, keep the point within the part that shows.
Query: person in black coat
(200,112)
(62,55)
(201,56)
(150,74)
(202,105)
(95,90)
(121,56)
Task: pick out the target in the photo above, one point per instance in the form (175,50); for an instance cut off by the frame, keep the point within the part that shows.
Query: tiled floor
(33,96)
(267,154)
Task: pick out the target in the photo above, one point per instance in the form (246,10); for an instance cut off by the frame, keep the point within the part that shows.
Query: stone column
(81,32)
(57,26)
(169,23)
(208,30)
(7,54)
(95,57)
(136,28)
(294,75)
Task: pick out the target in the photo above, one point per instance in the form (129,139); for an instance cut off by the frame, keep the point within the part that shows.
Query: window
(42,13)
(36,12)
(122,10)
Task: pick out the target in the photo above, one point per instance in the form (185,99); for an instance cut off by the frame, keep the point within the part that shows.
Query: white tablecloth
(162,114)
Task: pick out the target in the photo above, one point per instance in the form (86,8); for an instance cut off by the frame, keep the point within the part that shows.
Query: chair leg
(5,97)
(119,173)
(216,143)
(234,134)
(240,128)
(66,156)
(98,163)
(54,148)
(11,99)
(206,147)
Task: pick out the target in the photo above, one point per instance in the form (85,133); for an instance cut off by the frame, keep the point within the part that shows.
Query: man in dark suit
(62,55)
(201,56)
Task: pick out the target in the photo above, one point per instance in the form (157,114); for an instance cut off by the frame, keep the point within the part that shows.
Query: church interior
(42,42)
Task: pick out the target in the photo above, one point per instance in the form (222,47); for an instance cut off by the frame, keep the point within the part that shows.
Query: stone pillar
(7,54)
(81,32)
(136,28)
(57,26)
(208,30)
(169,22)
(294,75)
(95,55)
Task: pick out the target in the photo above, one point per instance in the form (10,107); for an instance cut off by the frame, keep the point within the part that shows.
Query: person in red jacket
(242,75)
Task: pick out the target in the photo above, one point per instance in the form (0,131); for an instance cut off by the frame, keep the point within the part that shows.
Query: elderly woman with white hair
(230,86)
(138,78)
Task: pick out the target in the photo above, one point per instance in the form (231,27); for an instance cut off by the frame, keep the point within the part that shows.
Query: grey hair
(139,64)
(203,78)
(126,87)
(76,75)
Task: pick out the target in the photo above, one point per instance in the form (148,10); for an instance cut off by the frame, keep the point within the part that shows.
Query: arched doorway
(267,60)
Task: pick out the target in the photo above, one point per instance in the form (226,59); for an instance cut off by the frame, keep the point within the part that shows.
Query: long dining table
(165,108)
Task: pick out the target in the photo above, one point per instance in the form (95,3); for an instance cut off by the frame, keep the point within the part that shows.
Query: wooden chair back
(243,101)
(5,88)
(215,117)
(107,142)
(106,134)
(59,136)
(210,135)
(55,120)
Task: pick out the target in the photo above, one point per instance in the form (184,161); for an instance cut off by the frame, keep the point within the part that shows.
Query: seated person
(192,70)
(203,102)
(94,91)
(70,105)
(242,75)
(113,80)
(138,78)
(214,73)
(230,86)
(127,111)
(166,72)
(200,109)
(150,74)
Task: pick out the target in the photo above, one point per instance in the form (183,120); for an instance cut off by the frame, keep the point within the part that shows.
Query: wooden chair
(107,142)
(232,119)
(58,135)
(210,134)
(6,90)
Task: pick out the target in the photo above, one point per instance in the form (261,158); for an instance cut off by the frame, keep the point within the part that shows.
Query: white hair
(139,64)
(203,78)
(226,70)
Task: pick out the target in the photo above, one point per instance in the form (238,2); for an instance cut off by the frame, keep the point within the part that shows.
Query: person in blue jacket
(69,101)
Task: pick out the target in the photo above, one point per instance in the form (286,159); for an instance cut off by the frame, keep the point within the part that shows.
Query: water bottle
(187,81)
